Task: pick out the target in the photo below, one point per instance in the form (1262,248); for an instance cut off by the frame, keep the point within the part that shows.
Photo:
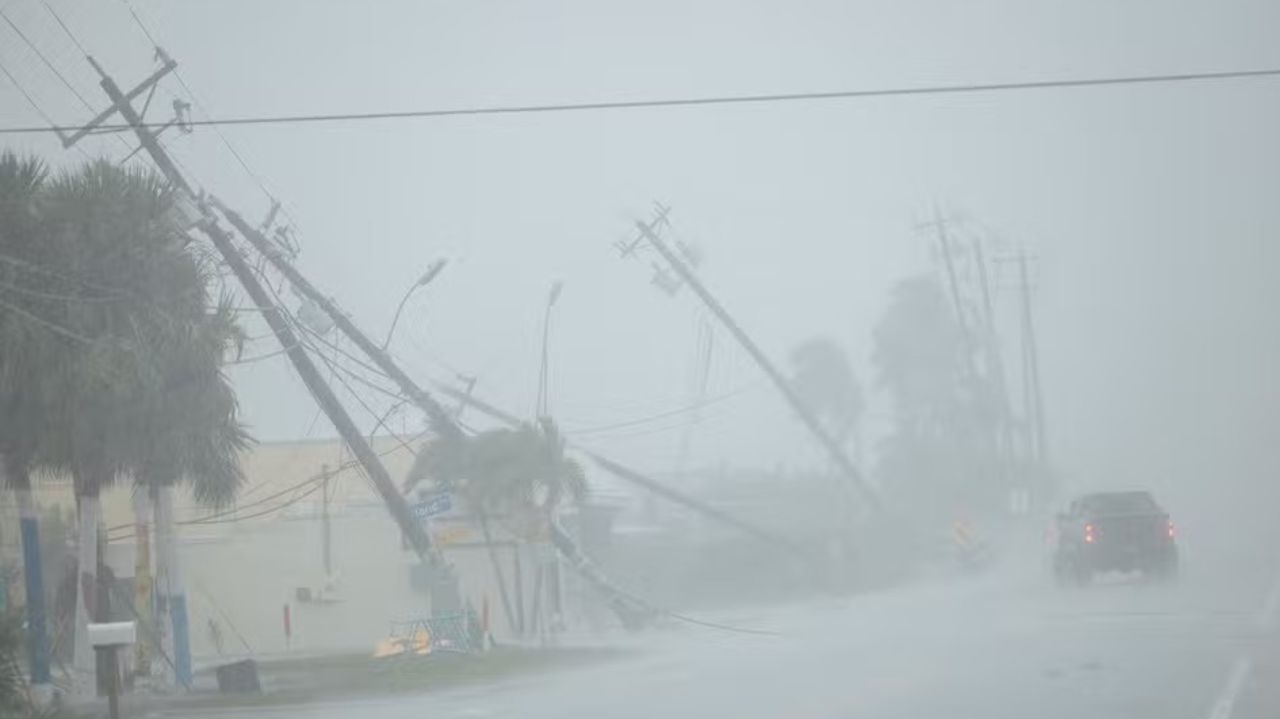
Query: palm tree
(188,431)
(22,385)
(142,394)
(524,474)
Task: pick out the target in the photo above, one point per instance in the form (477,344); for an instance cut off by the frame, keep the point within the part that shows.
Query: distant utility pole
(1033,397)
(686,275)
(272,314)
(990,376)
(995,356)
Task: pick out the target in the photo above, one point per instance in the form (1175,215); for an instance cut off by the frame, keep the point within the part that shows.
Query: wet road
(1005,644)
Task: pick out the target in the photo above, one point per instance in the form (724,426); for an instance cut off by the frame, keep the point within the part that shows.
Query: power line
(54,296)
(115,292)
(661,415)
(205,111)
(35,105)
(219,517)
(46,61)
(53,327)
(694,101)
(30,100)
(66,29)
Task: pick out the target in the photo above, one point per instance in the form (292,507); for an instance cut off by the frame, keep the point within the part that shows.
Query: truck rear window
(1119,503)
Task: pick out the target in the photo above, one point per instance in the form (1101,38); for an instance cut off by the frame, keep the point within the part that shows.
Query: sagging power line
(761,99)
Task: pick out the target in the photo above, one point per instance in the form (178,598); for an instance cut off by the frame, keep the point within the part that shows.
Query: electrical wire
(54,327)
(313,479)
(713,100)
(53,68)
(36,106)
(66,29)
(662,415)
(61,275)
(244,165)
(53,296)
(46,61)
(370,410)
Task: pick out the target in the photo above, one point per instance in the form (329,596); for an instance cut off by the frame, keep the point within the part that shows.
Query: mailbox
(113,634)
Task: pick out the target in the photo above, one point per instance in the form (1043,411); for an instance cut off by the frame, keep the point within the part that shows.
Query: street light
(423,281)
(552,297)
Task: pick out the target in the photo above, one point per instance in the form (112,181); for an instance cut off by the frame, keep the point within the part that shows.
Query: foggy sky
(1151,208)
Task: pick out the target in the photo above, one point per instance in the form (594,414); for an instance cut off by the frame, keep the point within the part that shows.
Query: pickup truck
(1114,531)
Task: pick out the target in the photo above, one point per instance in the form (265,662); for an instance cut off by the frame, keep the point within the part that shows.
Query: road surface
(1004,644)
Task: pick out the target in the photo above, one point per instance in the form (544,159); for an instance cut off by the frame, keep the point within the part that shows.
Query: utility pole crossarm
(147,84)
(811,422)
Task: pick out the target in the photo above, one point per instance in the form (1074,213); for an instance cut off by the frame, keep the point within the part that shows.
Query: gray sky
(1150,207)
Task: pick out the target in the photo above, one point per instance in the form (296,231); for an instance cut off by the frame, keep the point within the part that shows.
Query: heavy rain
(579,359)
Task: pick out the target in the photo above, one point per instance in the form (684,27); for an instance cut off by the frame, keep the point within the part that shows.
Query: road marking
(1270,611)
(1226,702)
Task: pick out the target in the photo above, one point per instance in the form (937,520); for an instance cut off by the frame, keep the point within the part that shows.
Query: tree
(520,473)
(823,378)
(187,428)
(23,387)
(132,381)
(934,456)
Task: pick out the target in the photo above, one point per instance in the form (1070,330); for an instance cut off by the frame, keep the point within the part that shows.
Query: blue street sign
(432,505)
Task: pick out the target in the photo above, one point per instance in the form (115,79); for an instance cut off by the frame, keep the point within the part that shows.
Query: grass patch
(303,680)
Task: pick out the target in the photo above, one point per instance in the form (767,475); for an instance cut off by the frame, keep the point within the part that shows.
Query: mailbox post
(107,639)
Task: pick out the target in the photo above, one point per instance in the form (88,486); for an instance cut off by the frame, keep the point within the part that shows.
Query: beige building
(245,564)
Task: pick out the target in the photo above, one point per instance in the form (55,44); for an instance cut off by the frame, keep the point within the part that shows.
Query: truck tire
(1081,572)
(1166,571)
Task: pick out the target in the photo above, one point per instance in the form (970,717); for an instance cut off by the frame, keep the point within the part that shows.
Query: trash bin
(239,678)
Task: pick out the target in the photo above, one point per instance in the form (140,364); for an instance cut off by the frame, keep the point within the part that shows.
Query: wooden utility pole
(282,330)
(1032,394)
(995,357)
(443,419)
(807,417)
(442,422)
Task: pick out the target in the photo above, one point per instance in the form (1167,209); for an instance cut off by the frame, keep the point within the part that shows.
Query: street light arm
(423,281)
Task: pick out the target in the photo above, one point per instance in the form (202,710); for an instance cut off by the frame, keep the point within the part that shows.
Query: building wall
(245,563)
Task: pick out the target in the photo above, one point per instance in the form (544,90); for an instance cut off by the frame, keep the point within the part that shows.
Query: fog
(1148,211)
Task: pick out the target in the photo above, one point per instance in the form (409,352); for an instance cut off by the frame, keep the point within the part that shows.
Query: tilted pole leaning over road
(807,417)
(284,333)
(442,419)
(442,422)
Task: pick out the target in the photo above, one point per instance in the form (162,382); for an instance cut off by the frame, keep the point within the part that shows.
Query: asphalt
(1005,643)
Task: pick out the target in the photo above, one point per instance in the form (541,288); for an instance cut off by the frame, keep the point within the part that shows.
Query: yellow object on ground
(389,648)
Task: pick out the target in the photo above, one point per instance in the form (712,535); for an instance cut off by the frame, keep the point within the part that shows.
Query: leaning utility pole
(274,318)
(953,284)
(810,421)
(995,357)
(1032,394)
(442,421)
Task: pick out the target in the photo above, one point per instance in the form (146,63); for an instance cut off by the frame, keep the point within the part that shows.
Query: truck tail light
(1169,531)
(1088,534)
